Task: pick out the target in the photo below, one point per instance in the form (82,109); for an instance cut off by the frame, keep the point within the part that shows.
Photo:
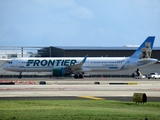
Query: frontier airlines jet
(61,66)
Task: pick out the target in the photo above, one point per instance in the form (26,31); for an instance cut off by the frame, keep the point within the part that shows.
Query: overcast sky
(78,22)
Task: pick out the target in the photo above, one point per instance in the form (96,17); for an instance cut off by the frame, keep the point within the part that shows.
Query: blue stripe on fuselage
(113,67)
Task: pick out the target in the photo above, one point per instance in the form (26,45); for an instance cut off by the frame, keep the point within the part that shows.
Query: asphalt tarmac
(121,89)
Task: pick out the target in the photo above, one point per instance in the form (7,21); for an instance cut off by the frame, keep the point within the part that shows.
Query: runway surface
(71,89)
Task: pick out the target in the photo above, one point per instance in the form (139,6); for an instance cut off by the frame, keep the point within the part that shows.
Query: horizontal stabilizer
(146,61)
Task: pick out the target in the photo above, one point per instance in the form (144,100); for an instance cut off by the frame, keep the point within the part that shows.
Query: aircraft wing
(77,66)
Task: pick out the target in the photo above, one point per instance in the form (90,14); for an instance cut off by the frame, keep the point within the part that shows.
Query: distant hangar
(77,51)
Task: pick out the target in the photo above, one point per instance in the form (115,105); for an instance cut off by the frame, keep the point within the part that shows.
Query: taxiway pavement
(81,88)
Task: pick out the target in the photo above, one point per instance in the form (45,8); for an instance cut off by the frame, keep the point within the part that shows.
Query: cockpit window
(10,62)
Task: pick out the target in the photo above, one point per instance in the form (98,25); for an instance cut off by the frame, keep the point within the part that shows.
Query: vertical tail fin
(145,50)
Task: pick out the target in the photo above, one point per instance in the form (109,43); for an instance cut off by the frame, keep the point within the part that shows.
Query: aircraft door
(20,65)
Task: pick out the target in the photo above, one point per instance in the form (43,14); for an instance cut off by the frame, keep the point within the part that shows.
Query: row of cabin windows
(106,62)
(77,62)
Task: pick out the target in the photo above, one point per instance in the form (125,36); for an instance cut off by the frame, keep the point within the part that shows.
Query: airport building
(92,51)
(70,51)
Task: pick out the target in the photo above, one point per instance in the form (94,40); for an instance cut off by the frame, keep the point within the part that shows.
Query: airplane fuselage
(47,64)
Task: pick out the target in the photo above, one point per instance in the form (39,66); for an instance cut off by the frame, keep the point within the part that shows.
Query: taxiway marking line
(91,97)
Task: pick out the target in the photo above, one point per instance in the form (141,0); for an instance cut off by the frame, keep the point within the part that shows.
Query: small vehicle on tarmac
(154,75)
(140,77)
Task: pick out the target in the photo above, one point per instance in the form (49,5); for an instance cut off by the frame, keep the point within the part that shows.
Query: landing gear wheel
(20,75)
(80,76)
(76,76)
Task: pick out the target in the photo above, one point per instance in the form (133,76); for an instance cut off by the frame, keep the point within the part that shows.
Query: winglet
(79,65)
(84,60)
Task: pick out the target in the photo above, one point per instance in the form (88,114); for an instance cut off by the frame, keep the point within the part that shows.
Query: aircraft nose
(5,67)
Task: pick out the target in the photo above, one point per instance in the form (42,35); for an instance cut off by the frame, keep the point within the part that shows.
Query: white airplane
(61,66)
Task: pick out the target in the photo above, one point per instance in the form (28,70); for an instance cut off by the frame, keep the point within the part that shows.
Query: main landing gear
(76,76)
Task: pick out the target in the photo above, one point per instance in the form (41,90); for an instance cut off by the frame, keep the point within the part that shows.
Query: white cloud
(56,3)
(69,6)
(81,12)
(64,22)
(101,30)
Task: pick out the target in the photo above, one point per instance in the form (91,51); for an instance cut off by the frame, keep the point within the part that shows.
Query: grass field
(77,110)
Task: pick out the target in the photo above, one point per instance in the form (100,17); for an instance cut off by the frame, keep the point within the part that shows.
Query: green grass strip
(77,110)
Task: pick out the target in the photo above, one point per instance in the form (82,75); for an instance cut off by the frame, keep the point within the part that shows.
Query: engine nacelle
(58,72)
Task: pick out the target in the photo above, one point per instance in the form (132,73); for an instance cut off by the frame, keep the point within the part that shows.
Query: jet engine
(58,72)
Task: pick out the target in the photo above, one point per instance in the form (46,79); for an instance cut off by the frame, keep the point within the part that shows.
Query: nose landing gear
(20,75)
